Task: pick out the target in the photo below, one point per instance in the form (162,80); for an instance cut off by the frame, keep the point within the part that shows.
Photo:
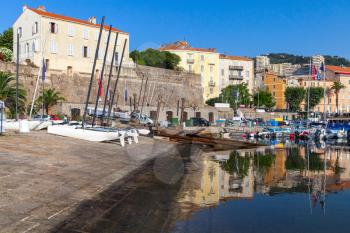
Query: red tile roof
(223,56)
(183,45)
(70,19)
(339,69)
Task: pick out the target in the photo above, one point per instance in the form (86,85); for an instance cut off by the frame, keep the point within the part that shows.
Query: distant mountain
(276,58)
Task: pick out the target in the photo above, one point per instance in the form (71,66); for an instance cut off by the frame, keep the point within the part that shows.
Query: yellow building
(200,61)
(65,43)
(276,86)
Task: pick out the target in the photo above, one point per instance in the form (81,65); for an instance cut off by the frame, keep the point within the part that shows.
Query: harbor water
(284,187)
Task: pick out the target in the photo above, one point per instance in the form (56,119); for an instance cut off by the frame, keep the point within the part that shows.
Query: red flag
(314,72)
(99,88)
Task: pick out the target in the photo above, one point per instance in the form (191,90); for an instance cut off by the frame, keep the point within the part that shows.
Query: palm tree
(8,93)
(337,86)
(51,98)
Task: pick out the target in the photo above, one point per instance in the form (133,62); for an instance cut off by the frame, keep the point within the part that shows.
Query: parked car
(41,118)
(200,121)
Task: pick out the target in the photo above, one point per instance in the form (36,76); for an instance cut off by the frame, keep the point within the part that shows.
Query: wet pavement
(45,178)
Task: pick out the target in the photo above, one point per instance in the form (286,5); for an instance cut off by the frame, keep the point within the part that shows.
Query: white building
(262,63)
(64,43)
(236,70)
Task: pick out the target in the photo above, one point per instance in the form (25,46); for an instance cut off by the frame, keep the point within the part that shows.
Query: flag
(318,76)
(99,88)
(314,72)
(322,67)
(126,94)
(43,71)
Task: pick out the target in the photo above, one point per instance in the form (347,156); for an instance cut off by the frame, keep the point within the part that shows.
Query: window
(86,34)
(85,51)
(211,68)
(190,68)
(274,93)
(36,46)
(222,72)
(247,73)
(70,50)
(202,57)
(47,63)
(33,46)
(27,49)
(69,70)
(35,28)
(53,47)
(116,57)
(70,30)
(53,27)
(211,90)
(202,68)
(19,31)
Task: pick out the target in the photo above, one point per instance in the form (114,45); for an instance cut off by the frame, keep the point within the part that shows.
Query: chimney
(24,7)
(41,8)
(92,20)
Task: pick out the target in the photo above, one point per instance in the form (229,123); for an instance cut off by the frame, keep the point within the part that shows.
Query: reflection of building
(232,186)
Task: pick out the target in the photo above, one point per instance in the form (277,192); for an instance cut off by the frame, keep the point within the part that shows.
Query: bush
(5,54)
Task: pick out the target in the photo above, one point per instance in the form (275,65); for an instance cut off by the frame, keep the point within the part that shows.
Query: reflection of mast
(308,174)
(323,202)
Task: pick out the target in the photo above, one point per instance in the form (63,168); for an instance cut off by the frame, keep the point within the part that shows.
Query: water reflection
(285,170)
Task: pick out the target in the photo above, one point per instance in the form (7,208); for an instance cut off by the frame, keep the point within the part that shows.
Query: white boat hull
(84,134)
(33,125)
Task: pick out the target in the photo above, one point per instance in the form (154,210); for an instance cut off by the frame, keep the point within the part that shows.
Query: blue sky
(236,27)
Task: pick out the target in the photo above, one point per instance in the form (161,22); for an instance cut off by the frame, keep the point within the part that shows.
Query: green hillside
(276,58)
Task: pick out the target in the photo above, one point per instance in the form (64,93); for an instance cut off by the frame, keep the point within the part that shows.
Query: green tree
(294,161)
(156,58)
(235,95)
(264,98)
(51,98)
(5,54)
(294,97)
(8,94)
(337,86)
(237,165)
(6,39)
(316,94)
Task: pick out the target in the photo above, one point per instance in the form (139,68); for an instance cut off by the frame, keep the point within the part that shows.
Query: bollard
(24,126)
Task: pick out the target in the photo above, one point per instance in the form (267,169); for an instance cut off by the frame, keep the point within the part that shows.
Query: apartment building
(236,70)
(203,61)
(63,42)
(261,64)
(276,86)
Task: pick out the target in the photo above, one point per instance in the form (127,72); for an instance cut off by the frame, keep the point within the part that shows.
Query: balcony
(235,77)
(211,83)
(190,60)
(235,67)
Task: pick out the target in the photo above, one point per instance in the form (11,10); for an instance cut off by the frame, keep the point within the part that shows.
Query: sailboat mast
(93,71)
(308,95)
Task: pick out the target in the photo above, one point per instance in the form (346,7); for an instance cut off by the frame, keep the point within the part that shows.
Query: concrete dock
(44,178)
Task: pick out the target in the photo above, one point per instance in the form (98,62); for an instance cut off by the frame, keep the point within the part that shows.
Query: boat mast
(116,82)
(324,92)
(308,95)
(109,78)
(101,77)
(93,71)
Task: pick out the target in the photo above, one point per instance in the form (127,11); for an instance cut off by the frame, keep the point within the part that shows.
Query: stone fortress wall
(170,85)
